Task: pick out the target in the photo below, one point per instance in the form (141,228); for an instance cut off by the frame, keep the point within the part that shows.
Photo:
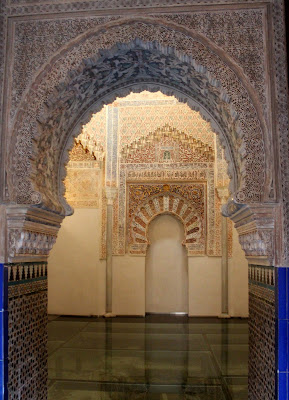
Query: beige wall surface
(238,280)
(76,276)
(204,286)
(205,283)
(166,267)
(128,285)
(76,279)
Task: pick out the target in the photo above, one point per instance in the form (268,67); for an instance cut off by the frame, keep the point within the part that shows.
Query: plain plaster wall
(166,267)
(76,276)
(204,286)
(238,280)
(128,285)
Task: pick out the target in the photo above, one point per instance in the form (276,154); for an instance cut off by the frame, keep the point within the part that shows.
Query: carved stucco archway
(135,55)
(78,77)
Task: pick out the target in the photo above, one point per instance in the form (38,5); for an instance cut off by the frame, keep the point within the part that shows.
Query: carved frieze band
(26,271)
(36,6)
(262,275)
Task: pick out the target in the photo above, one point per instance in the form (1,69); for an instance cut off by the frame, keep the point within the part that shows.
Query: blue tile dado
(282,385)
(3,380)
(3,330)
(282,332)
(282,312)
(282,345)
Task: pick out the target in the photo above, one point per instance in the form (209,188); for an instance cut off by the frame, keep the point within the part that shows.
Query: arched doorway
(57,100)
(166,267)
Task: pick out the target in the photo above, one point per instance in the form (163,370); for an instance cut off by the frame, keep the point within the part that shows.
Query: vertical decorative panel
(27,305)
(262,335)
(3,332)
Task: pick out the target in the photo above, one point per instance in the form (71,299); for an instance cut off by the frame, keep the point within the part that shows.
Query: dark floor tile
(227,338)
(64,330)
(53,345)
(232,359)
(89,391)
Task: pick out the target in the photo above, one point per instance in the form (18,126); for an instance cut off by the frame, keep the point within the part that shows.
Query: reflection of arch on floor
(166,266)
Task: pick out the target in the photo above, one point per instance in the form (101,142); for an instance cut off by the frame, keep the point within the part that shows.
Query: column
(223,194)
(110,196)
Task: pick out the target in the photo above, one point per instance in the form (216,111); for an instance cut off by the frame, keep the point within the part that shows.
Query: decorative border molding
(262,275)
(23,272)
(16,7)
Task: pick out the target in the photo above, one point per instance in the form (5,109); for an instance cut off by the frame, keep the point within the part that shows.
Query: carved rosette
(256,226)
(31,233)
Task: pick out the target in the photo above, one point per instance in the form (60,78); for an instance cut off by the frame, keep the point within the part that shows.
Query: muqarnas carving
(186,201)
(167,144)
(83,179)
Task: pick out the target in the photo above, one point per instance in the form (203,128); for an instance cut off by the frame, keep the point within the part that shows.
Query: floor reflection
(156,358)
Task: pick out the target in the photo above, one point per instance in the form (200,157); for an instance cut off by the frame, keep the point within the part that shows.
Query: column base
(109,315)
(224,315)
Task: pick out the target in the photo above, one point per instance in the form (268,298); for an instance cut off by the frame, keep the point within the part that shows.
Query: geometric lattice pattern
(261,339)
(27,306)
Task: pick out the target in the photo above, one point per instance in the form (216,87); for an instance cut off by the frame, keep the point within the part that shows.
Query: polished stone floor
(152,358)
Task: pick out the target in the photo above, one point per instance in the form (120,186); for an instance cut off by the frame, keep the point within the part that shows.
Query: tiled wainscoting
(261,333)
(24,295)
(27,306)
